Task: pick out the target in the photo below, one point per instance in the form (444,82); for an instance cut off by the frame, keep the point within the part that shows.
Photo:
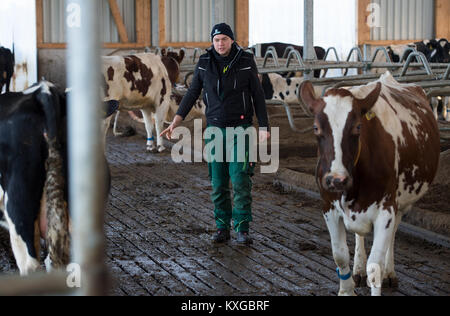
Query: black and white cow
(33,173)
(435,51)
(280,48)
(6,68)
(276,87)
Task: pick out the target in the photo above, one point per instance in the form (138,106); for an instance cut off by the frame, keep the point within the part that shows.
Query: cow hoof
(151,149)
(346,293)
(161,149)
(390,283)
(360,280)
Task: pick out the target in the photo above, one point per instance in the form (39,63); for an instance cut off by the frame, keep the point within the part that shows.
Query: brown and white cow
(171,61)
(140,82)
(378,154)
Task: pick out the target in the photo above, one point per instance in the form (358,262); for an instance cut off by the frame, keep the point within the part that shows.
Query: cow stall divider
(86,159)
(430,75)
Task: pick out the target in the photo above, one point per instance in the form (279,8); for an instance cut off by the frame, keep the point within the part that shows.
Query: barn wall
(404,20)
(191,21)
(54,21)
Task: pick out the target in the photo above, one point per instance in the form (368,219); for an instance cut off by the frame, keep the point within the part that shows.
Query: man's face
(222,44)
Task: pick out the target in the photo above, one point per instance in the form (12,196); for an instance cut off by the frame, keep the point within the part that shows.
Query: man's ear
(309,98)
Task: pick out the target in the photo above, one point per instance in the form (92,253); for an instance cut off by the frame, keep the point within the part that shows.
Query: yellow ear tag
(370,115)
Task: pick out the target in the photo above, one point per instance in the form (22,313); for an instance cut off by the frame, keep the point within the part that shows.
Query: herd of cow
(378,154)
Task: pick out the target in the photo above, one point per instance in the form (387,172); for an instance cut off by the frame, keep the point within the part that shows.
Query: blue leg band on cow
(151,139)
(343,277)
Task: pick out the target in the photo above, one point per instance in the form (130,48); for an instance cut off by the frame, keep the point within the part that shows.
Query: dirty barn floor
(159,222)
(158,227)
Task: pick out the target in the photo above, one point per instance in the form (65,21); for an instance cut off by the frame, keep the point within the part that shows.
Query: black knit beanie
(222,28)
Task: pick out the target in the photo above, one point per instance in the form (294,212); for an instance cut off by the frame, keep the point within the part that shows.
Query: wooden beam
(442,8)
(162,23)
(119,21)
(242,22)
(363,26)
(389,42)
(148,22)
(39,22)
(143,22)
(105,45)
(186,44)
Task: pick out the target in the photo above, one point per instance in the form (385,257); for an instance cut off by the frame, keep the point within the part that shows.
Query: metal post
(308,47)
(86,158)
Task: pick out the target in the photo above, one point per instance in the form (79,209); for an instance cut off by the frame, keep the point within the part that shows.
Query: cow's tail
(58,238)
(14,54)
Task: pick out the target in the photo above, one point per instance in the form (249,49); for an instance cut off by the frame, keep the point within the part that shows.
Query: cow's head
(172,61)
(338,126)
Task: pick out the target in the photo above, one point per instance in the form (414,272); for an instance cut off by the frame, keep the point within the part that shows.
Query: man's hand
(263,136)
(175,123)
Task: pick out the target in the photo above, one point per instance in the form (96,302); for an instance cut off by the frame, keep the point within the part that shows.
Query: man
(232,93)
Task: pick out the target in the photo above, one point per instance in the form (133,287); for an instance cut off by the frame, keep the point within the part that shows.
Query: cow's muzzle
(337,183)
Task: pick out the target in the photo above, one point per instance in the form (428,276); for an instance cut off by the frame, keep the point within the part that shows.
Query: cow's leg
(390,277)
(149,128)
(360,262)
(3,222)
(116,119)
(22,236)
(105,126)
(384,227)
(8,83)
(160,114)
(447,109)
(341,253)
(434,106)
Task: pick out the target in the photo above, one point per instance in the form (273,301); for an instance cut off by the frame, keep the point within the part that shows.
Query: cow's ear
(181,56)
(368,102)
(110,107)
(308,96)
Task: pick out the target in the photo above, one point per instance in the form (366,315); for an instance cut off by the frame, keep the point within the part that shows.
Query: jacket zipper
(207,100)
(245,104)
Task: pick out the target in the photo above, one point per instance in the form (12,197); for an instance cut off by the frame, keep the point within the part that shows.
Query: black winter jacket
(231,98)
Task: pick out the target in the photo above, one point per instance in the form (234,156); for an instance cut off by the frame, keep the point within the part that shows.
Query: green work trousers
(240,175)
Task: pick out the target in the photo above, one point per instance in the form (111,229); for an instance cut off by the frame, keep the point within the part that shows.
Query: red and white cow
(444,110)
(378,154)
(140,82)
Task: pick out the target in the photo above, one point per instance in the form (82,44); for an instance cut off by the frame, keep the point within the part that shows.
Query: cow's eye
(316,129)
